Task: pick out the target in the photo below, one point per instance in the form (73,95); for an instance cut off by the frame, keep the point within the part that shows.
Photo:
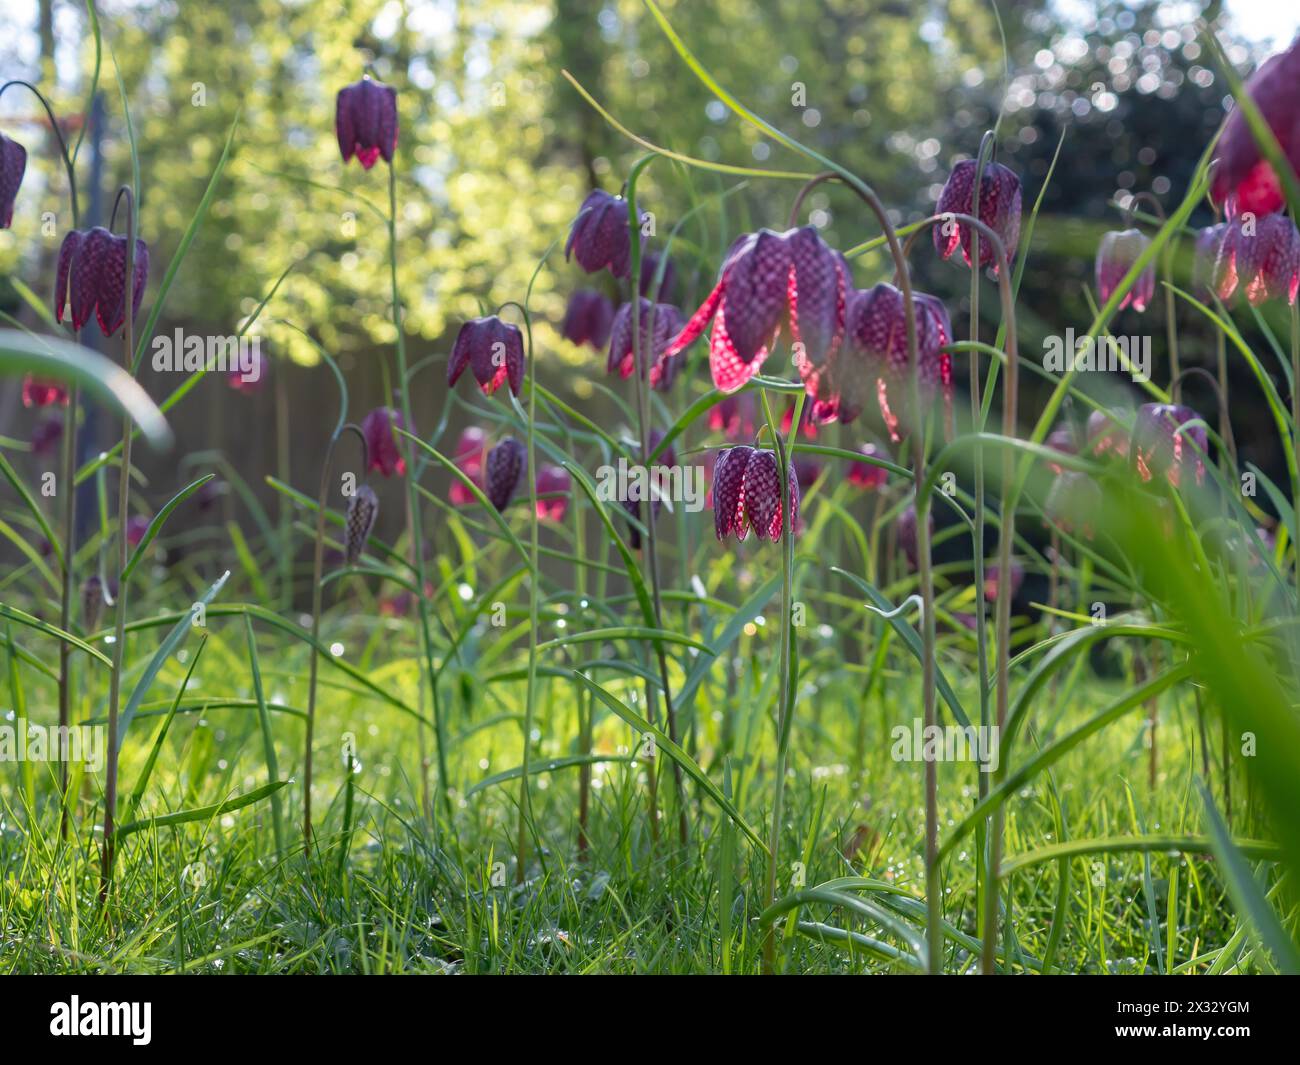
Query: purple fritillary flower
(40,392)
(363,509)
(1262,256)
(46,435)
(866,476)
(13,163)
(999,209)
(471,452)
(1116,254)
(1205,260)
(365,120)
(649,264)
(1063,440)
(1159,448)
(588,318)
(1105,435)
(993,580)
(747,494)
(1073,503)
(906,529)
(136,526)
(503,470)
(659,323)
(381,441)
(91,278)
(734,416)
(599,236)
(553,486)
(493,349)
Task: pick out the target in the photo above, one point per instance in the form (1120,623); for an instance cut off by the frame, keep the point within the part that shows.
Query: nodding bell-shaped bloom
(906,531)
(382,449)
(806,472)
(503,470)
(807,423)
(13,163)
(667,459)
(46,435)
(872,361)
(1117,252)
(770,279)
(136,526)
(747,493)
(599,236)
(1106,435)
(1262,257)
(1159,447)
(553,484)
(999,205)
(363,509)
(1073,503)
(365,119)
(38,392)
(734,416)
(649,267)
(493,349)
(588,318)
(1243,180)
(865,475)
(659,322)
(1205,260)
(92,602)
(993,580)
(91,278)
(471,452)
(1062,440)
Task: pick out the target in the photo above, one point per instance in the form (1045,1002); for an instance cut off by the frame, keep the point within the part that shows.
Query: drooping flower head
(649,267)
(1262,257)
(734,416)
(382,448)
(136,526)
(866,475)
(1106,435)
(747,494)
(1116,254)
(553,484)
(599,236)
(906,530)
(770,279)
(91,277)
(503,470)
(1061,439)
(993,580)
(588,318)
(38,392)
(493,349)
(47,434)
(999,209)
(471,452)
(659,323)
(13,163)
(806,472)
(363,508)
(1162,446)
(1243,180)
(872,361)
(365,119)
(1205,260)
(807,423)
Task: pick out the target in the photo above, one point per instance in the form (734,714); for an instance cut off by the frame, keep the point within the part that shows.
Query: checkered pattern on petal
(13,164)
(67,253)
(88,269)
(763,494)
(504,467)
(757,292)
(729,491)
(1116,254)
(363,508)
(999,209)
(815,295)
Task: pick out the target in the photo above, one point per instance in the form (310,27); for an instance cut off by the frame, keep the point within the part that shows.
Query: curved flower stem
(414,521)
(67,476)
(785,703)
(984,156)
(125,195)
(641,365)
(1006,537)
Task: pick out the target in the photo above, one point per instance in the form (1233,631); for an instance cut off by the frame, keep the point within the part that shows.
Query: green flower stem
(414,521)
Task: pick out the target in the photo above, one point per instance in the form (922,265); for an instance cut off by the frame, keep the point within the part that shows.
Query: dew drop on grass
(336,649)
